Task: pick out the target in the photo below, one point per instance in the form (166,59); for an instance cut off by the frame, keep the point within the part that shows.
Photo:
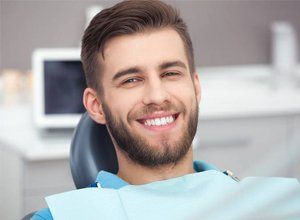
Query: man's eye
(131,80)
(170,74)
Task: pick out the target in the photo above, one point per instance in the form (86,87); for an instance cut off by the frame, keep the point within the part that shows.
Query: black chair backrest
(91,151)
(28,216)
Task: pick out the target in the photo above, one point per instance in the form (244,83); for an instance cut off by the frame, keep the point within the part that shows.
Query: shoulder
(43,214)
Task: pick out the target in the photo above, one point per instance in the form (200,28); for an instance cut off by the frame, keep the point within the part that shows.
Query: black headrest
(91,151)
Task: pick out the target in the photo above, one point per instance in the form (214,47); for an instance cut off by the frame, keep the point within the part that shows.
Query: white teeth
(159,121)
(167,119)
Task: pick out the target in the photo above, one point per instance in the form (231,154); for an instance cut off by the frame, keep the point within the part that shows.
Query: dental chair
(91,151)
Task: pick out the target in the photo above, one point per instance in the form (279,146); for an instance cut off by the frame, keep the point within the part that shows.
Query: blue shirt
(109,180)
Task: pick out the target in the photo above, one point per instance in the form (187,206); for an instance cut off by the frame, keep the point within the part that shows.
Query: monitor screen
(64,85)
(59,83)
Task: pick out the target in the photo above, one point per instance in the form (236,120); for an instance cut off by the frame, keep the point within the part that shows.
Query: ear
(93,105)
(197,86)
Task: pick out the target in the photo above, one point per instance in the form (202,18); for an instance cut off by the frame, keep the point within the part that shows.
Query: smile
(159,121)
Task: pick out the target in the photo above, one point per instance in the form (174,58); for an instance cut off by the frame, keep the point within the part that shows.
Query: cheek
(122,104)
(187,96)
(185,92)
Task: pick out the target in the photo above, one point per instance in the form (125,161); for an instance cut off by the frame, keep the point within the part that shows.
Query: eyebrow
(131,70)
(177,63)
(135,70)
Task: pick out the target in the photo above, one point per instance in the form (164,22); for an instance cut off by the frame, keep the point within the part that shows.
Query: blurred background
(247,57)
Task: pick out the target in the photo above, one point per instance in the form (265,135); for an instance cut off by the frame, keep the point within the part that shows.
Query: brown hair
(125,18)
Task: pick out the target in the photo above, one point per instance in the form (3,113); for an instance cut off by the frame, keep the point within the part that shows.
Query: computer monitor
(59,83)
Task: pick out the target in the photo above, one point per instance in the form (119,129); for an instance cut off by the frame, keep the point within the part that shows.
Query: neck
(136,174)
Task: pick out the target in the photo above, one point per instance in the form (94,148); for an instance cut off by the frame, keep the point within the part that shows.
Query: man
(144,88)
(139,66)
(142,84)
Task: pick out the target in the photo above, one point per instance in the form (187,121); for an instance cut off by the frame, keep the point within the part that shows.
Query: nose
(155,92)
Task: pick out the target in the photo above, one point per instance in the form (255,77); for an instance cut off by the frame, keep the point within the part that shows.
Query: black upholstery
(91,151)
(28,216)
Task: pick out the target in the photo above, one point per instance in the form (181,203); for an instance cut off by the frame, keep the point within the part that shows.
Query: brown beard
(139,150)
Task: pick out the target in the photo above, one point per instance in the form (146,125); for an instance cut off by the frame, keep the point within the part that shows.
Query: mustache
(151,108)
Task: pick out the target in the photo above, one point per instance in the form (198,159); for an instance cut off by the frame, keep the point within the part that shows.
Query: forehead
(146,50)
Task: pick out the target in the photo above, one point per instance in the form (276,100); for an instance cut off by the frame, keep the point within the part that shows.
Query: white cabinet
(25,183)
(248,146)
(43,178)
(294,146)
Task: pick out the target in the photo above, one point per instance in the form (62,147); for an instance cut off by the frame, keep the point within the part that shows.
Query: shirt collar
(112,181)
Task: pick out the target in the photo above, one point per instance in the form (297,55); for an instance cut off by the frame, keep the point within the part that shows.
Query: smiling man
(139,65)
(149,102)
(143,87)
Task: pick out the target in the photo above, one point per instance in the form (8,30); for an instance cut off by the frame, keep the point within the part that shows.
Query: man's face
(150,99)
